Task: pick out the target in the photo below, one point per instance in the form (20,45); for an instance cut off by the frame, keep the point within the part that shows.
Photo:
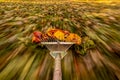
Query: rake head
(58,48)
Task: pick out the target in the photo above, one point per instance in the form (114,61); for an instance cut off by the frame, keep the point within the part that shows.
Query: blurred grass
(97,58)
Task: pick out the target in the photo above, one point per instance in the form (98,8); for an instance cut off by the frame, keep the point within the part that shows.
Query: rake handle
(57,68)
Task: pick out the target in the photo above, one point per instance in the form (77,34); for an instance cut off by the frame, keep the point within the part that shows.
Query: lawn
(98,24)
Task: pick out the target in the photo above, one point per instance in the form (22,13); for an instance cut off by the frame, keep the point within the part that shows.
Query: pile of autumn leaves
(52,35)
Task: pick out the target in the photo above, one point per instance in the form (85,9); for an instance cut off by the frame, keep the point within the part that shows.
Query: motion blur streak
(97,58)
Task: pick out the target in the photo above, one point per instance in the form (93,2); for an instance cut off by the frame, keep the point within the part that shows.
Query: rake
(57,50)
